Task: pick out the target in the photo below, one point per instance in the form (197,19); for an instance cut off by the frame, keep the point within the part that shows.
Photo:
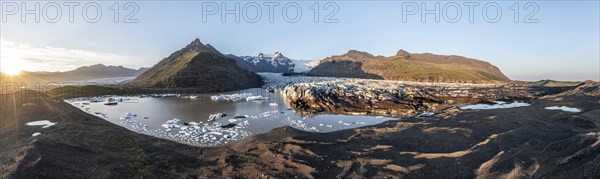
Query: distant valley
(85,73)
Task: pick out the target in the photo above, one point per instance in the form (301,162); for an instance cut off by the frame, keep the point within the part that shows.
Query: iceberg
(230,97)
(256,98)
(216,116)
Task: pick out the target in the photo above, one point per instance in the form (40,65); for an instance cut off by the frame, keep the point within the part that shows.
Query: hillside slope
(198,66)
(410,67)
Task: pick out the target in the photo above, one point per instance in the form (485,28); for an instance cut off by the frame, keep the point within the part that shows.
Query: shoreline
(447,146)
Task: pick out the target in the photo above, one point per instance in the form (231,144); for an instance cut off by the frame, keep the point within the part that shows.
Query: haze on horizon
(563,45)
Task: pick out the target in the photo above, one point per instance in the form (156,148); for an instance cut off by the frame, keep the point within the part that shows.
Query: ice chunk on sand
(426,114)
(35,134)
(564,108)
(44,123)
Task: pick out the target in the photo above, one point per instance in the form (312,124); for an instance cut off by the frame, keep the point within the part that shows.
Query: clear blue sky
(563,45)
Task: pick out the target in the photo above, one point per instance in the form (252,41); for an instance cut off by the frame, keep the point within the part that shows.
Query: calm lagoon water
(262,116)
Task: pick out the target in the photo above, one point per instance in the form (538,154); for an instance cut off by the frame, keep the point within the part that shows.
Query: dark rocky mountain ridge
(405,66)
(198,66)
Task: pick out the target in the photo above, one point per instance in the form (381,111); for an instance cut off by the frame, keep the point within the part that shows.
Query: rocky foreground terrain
(524,142)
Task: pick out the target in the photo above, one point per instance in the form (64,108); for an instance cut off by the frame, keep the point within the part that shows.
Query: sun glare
(11,72)
(11,67)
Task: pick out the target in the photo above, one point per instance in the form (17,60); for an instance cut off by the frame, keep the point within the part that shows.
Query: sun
(11,67)
(11,72)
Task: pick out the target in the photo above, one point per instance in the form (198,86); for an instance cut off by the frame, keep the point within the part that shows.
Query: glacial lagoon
(155,116)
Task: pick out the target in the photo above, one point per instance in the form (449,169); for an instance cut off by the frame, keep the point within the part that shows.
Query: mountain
(276,63)
(587,88)
(200,67)
(97,71)
(405,66)
(552,83)
(103,71)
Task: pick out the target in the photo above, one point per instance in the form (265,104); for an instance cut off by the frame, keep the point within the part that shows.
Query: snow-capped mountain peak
(275,62)
(276,59)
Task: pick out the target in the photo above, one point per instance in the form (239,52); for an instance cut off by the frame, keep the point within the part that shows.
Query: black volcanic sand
(502,143)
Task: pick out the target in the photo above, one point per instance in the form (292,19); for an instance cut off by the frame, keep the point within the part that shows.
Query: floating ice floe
(425,114)
(299,124)
(203,134)
(231,97)
(190,97)
(166,95)
(564,108)
(498,105)
(273,104)
(127,116)
(35,134)
(256,98)
(173,123)
(216,116)
(44,123)
(328,125)
(110,102)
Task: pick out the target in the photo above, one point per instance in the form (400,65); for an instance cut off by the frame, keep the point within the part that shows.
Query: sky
(547,40)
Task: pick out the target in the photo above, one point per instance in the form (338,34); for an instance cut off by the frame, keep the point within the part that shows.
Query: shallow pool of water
(497,105)
(149,114)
